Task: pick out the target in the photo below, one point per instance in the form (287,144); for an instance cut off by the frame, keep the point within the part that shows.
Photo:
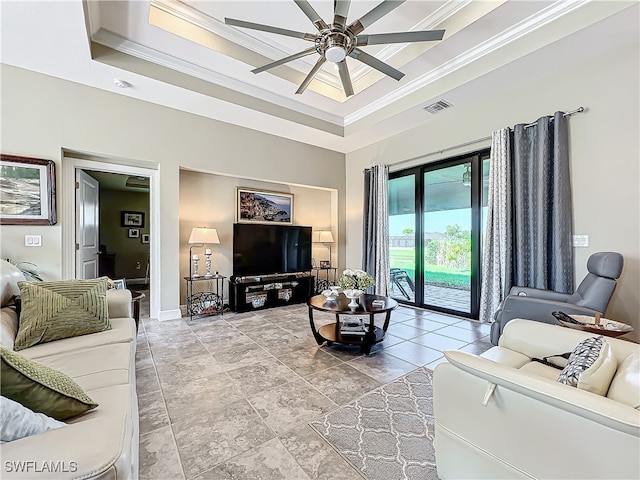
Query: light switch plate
(581,240)
(33,240)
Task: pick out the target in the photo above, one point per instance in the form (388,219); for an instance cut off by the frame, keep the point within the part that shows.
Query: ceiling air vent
(437,106)
(137,182)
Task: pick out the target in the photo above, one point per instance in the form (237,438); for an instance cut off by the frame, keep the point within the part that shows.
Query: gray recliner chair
(592,295)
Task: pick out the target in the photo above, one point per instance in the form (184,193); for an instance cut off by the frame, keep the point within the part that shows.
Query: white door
(87,220)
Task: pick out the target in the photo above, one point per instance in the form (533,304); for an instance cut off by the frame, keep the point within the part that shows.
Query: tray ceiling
(181,54)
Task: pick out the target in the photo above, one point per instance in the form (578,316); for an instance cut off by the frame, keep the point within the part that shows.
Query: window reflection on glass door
(402,224)
(447,226)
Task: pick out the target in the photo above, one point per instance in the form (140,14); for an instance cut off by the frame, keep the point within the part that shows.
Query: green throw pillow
(63,309)
(40,388)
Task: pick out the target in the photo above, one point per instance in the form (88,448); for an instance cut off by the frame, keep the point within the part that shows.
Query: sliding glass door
(436,220)
(446,224)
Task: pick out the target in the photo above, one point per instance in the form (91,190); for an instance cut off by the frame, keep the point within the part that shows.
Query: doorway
(436,218)
(123,188)
(122,224)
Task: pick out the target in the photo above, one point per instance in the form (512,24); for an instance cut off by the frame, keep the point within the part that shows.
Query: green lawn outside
(434,274)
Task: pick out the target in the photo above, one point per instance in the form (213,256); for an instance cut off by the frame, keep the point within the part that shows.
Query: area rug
(388,433)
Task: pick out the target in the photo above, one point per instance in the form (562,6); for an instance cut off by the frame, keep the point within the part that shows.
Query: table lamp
(325,237)
(199,237)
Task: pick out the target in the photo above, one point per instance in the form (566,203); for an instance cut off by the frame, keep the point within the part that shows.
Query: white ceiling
(182,55)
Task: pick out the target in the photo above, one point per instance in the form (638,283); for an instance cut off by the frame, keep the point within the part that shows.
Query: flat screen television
(262,249)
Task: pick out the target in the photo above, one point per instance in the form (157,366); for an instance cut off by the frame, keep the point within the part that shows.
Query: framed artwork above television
(259,206)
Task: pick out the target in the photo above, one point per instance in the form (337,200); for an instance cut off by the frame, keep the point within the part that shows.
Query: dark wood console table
(339,306)
(253,293)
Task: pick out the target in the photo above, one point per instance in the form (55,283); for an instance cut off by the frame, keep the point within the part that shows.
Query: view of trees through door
(436,226)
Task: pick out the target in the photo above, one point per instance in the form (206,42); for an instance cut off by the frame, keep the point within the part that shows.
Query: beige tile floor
(230,397)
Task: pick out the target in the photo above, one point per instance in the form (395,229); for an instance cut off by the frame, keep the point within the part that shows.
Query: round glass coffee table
(340,306)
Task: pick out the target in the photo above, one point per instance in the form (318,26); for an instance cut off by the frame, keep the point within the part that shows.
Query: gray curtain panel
(375,236)
(542,210)
(496,265)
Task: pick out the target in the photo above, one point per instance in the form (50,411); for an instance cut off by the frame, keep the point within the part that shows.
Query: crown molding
(358,73)
(121,44)
(441,15)
(519,30)
(244,40)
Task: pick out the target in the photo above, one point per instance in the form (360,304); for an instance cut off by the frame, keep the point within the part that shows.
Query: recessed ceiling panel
(180,18)
(483,39)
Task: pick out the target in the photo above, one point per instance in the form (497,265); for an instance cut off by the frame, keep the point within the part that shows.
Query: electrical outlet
(581,240)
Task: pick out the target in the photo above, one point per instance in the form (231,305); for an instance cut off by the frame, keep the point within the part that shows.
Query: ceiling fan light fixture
(335,43)
(335,54)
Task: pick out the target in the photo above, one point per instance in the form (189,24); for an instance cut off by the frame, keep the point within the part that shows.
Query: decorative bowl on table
(605,326)
(353,294)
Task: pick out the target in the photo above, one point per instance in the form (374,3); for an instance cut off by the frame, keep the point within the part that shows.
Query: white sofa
(102,443)
(501,415)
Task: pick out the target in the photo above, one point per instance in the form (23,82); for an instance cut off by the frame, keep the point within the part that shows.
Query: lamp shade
(204,235)
(322,236)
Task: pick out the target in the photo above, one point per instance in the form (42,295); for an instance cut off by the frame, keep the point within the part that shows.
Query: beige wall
(43,115)
(604,151)
(209,200)
(130,252)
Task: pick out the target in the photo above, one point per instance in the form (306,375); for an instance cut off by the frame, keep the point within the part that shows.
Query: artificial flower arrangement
(355,280)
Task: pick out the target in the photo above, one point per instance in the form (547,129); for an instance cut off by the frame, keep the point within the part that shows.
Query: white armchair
(502,415)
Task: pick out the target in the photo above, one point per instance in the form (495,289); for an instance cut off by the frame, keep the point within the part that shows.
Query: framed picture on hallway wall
(256,206)
(27,191)
(131,219)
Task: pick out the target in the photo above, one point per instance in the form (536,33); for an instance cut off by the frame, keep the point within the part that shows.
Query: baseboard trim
(173,314)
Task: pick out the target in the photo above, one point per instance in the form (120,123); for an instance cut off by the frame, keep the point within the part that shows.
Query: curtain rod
(471,142)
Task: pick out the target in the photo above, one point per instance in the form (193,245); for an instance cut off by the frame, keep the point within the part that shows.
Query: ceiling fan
(339,40)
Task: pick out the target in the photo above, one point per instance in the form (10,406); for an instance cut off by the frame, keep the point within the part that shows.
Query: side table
(136,298)
(205,295)
(330,278)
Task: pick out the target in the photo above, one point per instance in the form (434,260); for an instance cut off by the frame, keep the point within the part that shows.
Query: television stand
(265,291)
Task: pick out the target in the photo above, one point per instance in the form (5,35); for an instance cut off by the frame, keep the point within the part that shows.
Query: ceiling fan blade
(312,74)
(401,37)
(269,29)
(312,14)
(374,15)
(284,60)
(373,62)
(345,77)
(340,12)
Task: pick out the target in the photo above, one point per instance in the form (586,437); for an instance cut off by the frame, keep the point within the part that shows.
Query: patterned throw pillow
(40,388)
(591,366)
(63,309)
(17,421)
